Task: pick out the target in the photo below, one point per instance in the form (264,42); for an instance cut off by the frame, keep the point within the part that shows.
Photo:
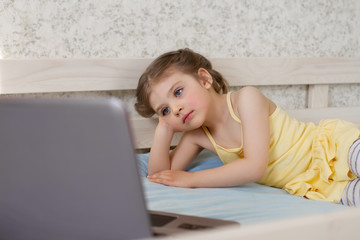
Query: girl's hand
(175,178)
(164,125)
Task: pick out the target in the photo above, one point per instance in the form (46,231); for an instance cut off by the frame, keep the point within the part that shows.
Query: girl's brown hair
(184,60)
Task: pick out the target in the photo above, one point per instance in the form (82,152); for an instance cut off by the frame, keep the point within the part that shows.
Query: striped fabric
(354,157)
(351,194)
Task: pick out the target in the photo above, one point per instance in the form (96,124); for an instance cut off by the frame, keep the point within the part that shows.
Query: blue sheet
(247,204)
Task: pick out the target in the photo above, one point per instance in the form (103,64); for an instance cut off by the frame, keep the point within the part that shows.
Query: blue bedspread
(247,204)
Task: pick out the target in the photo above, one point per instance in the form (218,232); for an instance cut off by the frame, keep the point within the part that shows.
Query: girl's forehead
(167,73)
(170,79)
(163,84)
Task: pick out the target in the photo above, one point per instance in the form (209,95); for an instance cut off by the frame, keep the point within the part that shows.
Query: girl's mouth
(187,117)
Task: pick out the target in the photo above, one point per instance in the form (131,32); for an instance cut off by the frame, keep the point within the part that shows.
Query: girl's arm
(160,159)
(254,110)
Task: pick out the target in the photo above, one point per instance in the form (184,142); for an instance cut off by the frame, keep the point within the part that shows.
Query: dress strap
(206,130)
(232,113)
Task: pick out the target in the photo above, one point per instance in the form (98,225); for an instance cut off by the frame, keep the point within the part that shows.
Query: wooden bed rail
(63,75)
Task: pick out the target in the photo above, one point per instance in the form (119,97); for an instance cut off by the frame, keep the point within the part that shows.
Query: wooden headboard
(73,75)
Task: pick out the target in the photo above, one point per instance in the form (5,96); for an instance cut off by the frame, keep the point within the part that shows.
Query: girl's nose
(177,110)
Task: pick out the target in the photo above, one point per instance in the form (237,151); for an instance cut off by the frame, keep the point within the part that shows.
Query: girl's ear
(205,78)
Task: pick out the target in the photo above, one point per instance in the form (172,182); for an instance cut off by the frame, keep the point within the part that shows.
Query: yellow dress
(305,159)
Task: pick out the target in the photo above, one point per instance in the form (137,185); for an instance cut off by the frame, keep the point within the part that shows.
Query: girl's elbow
(153,170)
(150,172)
(259,172)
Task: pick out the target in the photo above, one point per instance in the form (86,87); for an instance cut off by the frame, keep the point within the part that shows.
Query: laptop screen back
(68,171)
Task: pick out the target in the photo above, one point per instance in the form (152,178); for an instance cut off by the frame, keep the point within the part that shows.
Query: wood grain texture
(67,75)
(288,71)
(318,96)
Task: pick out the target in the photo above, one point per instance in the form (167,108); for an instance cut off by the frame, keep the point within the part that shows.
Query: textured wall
(215,28)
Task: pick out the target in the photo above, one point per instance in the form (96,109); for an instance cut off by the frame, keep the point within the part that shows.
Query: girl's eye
(165,111)
(178,92)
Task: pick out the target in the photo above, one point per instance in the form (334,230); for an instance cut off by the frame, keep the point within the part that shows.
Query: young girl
(254,138)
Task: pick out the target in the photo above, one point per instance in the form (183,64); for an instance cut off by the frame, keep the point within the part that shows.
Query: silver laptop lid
(68,171)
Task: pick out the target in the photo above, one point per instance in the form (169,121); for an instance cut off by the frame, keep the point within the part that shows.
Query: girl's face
(182,100)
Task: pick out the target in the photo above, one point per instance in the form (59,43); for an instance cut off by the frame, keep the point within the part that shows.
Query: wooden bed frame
(73,75)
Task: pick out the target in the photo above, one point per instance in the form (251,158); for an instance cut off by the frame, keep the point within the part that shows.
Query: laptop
(68,170)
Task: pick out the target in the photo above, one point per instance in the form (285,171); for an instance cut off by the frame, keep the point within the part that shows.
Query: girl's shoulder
(247,96)
(246,93)
(249,99)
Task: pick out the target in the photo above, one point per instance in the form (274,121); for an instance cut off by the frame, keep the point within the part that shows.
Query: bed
(261,211)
